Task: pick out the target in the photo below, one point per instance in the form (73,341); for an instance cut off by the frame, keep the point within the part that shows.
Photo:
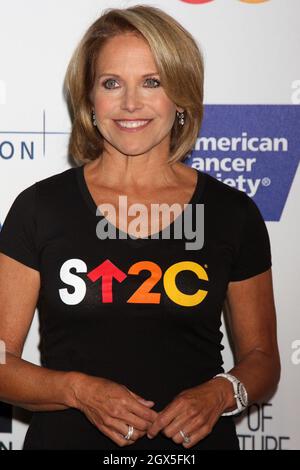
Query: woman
(130,340)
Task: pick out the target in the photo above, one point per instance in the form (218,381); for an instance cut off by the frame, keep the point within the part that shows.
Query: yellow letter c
(169,280)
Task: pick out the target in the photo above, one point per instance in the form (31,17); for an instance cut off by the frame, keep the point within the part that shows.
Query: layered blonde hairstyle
(179,62)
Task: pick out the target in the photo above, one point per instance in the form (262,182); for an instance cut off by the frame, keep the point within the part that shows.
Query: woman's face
(127,87)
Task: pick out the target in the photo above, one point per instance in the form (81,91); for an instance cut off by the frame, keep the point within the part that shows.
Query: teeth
(132,123)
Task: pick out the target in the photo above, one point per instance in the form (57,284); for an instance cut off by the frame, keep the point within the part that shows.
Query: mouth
(131,125)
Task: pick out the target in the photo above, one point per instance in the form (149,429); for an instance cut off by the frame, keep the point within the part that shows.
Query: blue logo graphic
(254,148)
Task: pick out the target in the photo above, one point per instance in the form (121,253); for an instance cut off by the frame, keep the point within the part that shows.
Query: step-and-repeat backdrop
(250,139)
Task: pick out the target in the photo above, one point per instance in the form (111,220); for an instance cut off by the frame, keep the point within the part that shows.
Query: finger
(141,399)
(141,411)
(122,428)
(182,422)
(134,420)
(115,436)
(197,429)
(194,433)
(194,439)
(147,403)
(164,418)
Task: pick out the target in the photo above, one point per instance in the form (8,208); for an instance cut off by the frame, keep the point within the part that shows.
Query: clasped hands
(125,417)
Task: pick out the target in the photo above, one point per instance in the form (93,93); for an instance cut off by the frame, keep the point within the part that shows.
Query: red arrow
(107,270)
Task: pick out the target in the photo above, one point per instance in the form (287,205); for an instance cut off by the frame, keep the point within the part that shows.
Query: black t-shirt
(144,312)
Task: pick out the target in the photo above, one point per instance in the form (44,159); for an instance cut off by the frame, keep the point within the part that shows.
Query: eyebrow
(118,76)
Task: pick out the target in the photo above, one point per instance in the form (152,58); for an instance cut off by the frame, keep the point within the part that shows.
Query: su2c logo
(209,1)
(107,271)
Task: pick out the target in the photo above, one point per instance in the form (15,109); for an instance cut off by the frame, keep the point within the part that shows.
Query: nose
(131,99)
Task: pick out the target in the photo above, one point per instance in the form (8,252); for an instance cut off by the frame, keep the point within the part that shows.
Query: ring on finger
(129,434)
(185,436)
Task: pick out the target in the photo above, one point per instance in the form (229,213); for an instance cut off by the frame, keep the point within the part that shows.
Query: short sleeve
(18,233)
(253,253)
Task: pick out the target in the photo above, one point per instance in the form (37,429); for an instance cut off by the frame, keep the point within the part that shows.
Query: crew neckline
(88,199)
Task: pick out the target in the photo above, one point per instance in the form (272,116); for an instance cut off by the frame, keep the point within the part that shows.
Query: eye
(106,81)
(157,82)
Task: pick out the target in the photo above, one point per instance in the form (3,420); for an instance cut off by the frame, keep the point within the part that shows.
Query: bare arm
(251,315)
(22,383)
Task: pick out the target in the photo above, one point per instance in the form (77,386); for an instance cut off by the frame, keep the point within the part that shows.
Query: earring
(180,118)
(94,118)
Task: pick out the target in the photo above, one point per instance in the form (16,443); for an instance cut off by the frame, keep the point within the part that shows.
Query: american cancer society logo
(254,148)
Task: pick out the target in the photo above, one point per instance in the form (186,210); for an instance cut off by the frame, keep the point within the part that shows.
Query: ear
(180,110)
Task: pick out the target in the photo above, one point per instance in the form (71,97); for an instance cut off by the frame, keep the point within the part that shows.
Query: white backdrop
(251,51)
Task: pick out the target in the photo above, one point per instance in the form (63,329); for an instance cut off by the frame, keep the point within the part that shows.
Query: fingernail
(149,436)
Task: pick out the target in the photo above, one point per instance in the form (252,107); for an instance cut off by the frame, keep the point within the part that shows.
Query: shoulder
(49,183)
(46,193)
(215,191)
(58,180)
(57,188)
(231,206)
(51,187)
(234,210)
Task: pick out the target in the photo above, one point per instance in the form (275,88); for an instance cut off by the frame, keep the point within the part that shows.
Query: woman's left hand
(193,411)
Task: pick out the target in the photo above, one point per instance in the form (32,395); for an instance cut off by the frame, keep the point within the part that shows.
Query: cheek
(162,104)
(103,105)
(168,109)
(170,115)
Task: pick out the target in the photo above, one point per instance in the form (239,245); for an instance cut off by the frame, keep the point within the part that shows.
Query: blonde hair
(179,62)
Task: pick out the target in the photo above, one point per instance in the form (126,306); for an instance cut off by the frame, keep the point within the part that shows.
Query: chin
(134,152)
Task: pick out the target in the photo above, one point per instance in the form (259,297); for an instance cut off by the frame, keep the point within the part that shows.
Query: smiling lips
(131,125)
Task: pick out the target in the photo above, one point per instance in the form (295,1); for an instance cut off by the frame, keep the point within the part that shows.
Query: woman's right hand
(111,407)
